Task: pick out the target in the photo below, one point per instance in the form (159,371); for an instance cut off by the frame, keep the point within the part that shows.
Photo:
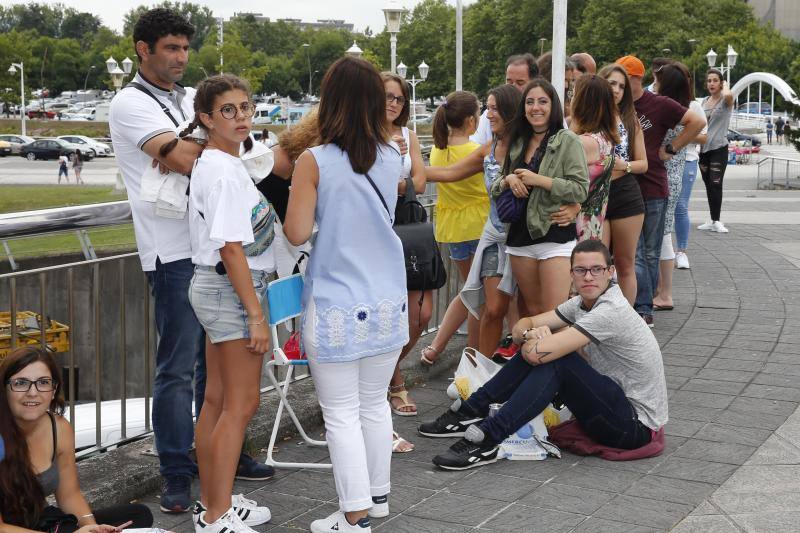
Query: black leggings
(712,168)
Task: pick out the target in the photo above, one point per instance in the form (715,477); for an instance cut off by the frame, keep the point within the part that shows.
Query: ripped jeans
(712,168)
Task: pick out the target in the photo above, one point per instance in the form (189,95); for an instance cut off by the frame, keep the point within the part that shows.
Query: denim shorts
(460,251)
(490,262)
(217,305)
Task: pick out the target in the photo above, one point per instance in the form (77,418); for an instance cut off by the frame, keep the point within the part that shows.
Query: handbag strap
(383,201)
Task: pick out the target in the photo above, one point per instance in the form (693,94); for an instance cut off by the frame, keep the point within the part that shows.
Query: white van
(266,113)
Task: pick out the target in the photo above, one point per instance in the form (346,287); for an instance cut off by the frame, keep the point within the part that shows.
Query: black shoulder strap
(55,434)
(378,192)
(145,90)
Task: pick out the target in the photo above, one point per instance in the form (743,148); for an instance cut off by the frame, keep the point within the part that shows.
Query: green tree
(201,17)
(79,25)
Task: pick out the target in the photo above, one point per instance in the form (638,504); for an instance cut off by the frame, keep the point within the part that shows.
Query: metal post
(123,351)
(759,99)
(71,318)
(559,46)
(414,102)
(12,289)
(42,310)
(146,352)
(98,356)
(459,48)
(772,103)
(393,43)
(11,261)
(22,96)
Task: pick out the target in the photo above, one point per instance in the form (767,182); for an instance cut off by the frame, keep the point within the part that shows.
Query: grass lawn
(27,198)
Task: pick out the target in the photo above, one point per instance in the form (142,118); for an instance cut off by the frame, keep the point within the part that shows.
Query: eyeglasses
(595,271)
(401,100)
(24,385)
(228,111)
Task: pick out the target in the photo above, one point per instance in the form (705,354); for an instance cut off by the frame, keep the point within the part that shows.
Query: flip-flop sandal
(425,360)
(400,445)
(663,307)
(402,395)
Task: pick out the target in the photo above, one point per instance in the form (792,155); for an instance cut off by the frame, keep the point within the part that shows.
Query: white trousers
(358,424)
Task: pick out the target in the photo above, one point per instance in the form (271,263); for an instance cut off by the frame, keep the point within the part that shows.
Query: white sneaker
(248,510)
(380,507)
(337,523)
(681,260)
(706,226)
(719,227)
(229,522)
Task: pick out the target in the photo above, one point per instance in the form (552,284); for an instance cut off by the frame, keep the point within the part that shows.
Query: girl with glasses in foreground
(40,456)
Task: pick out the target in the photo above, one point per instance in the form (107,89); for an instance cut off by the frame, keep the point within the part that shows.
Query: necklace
(541,132)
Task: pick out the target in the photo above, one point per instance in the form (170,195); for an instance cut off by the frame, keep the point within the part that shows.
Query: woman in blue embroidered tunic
(355,312)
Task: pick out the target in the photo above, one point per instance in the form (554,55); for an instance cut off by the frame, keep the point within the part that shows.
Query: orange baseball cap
(632,65)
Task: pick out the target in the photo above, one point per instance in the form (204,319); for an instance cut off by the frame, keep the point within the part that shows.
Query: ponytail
(170,146)
(440,129)
(454,111)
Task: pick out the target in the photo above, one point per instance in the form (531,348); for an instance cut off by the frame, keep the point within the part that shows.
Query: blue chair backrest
(284,298)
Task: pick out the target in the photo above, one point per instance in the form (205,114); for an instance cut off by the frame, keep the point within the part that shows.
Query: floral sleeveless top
(593,211)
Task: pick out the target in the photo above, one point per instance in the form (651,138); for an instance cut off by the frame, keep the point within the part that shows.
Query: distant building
(328,24)
(259,17)
(784,15)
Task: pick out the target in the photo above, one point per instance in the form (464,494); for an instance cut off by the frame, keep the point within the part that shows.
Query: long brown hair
(673,82)
(402,118)
(21,495)
(506,98)
(352,111)
(593,107)
(457,107)
(207,92)
(627,112)
(523,129)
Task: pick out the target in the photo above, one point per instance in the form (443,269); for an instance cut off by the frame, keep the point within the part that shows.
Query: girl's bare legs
(555,282)
(453,318)
(624,236)
(494,311)
(663,296)
(418,318)
(526,273)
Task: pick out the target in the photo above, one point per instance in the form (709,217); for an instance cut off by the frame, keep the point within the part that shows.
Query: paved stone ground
(731,351)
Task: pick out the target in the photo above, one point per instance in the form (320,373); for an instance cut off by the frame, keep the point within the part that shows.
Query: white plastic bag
(473,371)
(525,444)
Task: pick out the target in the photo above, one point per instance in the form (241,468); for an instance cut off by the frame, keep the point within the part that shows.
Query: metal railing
(778,173)
(107,306)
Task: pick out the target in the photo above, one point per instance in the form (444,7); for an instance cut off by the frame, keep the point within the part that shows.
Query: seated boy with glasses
(593,350)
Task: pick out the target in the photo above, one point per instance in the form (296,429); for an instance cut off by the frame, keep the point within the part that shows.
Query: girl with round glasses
(40,455)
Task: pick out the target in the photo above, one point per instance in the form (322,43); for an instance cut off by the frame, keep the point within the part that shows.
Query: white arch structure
(776,83)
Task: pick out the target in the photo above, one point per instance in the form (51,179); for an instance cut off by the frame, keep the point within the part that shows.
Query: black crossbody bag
(424,266)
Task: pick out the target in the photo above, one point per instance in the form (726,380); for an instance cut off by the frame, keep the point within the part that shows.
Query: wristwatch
(628,167)
(669,149)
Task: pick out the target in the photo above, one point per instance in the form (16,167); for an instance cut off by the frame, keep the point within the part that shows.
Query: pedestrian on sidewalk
(77,166)
(63,169)
(592,350)
(232,230)
(625,211)
(355,304)
(770,127)
(142,119)
(787,133)
(779,130)
(714,153)
(657,114)
(462,208)
(39,460)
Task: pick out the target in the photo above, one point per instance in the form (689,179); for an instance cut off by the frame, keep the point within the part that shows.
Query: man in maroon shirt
(657,115)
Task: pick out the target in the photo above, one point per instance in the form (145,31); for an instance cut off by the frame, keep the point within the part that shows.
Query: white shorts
(543,250)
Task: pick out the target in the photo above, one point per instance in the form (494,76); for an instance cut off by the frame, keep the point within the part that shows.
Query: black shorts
(625,198)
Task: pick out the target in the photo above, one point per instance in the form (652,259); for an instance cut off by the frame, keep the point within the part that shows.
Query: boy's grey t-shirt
(623,348)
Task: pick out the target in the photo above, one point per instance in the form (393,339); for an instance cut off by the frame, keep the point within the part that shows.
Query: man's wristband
(670,149)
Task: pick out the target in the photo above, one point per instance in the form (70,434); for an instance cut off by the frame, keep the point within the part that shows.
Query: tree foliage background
(60,45)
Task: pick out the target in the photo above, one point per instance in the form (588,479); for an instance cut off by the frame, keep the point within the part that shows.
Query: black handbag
(54,520)
(424,266)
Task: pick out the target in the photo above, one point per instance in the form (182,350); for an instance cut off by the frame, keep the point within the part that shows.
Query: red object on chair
(570,436)
(292,347)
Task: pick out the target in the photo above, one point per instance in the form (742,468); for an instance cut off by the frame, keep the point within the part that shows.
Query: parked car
(752,107)
(734,135)
(50,149)
(87,144)
(5,148)
(16,141)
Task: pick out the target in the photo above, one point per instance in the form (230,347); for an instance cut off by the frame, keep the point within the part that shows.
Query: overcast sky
(362,13)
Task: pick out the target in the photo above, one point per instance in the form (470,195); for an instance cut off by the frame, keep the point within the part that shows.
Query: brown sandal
(401,394)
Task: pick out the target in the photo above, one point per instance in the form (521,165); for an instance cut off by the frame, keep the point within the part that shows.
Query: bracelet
(87,515)
(257,323)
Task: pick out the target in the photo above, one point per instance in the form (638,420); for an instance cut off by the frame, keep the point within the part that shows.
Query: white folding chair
(283,297)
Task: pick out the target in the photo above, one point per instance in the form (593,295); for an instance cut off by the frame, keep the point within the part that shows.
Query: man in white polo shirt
(143,117)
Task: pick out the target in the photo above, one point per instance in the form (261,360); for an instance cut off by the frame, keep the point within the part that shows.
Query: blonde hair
(301,136)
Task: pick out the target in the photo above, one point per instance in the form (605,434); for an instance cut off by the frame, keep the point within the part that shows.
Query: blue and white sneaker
(337,523)
(248,511)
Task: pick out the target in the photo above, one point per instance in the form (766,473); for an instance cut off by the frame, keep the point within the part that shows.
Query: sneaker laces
(463,446)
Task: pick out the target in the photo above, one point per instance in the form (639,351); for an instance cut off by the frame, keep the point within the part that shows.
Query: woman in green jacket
(547,165)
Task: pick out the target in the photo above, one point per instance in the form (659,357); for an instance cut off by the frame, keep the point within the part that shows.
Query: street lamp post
(306,46)
(118,74)
(354,51)
(732,56)
(402,70)
(13,70)
(394,15)
(542,40)
(86,79)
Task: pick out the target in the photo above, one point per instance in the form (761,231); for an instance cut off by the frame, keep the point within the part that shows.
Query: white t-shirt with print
(693,149)
(224,193)
(134,119)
